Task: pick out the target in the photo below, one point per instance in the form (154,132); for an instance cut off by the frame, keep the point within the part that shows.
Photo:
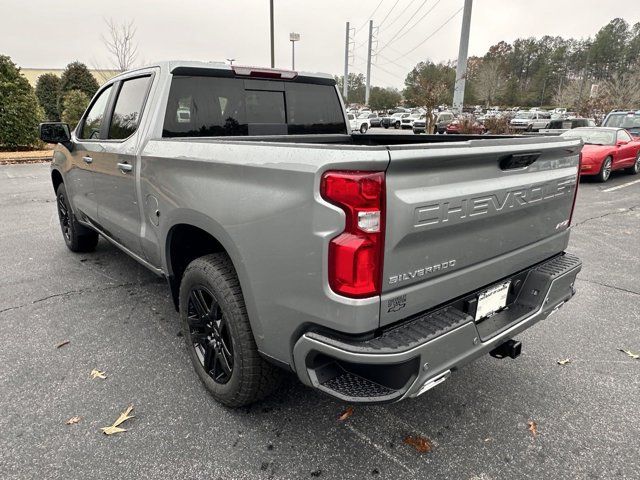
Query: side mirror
(55,132)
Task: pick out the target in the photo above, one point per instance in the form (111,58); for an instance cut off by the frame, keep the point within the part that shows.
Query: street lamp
(293,38)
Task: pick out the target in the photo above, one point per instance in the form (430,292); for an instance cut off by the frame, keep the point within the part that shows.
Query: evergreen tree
(19,109)
(77,77)
(74,103)
(48,91)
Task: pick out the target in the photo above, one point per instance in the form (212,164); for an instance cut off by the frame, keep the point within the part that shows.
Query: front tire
(397,125)
(605,170)
(77,237)
(218,334)
(636,166)
(363,128)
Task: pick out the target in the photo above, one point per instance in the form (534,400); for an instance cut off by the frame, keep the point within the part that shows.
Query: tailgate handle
(518,160)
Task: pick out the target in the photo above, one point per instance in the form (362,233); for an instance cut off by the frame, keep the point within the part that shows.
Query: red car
(607,149)
(476,127)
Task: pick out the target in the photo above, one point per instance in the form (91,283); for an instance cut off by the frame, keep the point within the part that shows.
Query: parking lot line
(628,184)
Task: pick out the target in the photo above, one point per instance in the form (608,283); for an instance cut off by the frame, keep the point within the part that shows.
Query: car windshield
(593,136)
(524,115)
(630,121)
(399,115)
(364,115)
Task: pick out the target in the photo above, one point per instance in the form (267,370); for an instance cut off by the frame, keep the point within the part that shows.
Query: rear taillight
(575,193)
(356,255)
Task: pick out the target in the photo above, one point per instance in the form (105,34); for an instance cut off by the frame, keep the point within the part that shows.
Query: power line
(393,37)
(388,13)
(370,17)
(431,35)
(401,14)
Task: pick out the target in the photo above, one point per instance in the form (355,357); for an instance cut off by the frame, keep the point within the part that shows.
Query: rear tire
(77,237)
(218,334)
(363,128)
(397,125)
(636,166)
(605,170)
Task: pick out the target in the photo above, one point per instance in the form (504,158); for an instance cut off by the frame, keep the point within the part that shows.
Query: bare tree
(490,80)
(621,90)
(121,44)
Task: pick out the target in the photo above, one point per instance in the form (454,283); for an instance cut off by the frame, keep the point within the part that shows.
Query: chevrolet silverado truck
(371,266)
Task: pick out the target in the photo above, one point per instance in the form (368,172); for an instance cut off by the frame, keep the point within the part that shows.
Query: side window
(93,120)
(623,136)
(128,108)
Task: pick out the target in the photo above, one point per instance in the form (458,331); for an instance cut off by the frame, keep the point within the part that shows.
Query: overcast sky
(50,34)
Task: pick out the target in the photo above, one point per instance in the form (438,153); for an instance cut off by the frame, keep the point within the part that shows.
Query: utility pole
(463,51)
(293,38)
(345,79)
(368,87)
(273,56)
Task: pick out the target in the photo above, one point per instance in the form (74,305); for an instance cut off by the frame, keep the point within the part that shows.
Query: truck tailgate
(463,215)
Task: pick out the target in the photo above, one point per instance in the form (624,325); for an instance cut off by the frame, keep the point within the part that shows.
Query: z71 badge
(396,303)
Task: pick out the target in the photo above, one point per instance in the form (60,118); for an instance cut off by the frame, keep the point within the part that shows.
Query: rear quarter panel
(261,201)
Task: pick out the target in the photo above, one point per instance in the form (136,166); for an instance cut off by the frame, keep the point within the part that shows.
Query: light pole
(273,55)
(293,38)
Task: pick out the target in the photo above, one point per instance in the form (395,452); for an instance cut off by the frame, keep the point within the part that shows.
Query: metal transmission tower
(369,52)
(461,68)
(348,59)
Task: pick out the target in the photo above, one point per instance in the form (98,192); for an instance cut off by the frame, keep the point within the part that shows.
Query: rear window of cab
(201,106)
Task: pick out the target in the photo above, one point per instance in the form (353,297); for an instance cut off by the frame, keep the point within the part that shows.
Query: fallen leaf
(421,444)
(95,373)
(533,428)
(346,414)
(62,344)
(635,356)
(112,429)
(564,362)
(115,427)
(73,420)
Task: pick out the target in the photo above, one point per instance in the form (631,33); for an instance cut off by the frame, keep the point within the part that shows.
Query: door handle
(125,167)
(87,159)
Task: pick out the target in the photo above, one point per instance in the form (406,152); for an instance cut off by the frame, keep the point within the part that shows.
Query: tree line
(55,98)
(594,74)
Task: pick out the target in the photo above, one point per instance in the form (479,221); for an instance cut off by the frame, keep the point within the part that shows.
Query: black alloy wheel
(63,214)
(209,333)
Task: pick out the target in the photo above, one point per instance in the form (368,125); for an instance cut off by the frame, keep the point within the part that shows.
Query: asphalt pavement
(118,318)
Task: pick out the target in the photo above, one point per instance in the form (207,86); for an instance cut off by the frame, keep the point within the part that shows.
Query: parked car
(374,120)
(629,120)
(561,126)
(394,120)
(373,267)
(358,123)
(607,149)
(476,127)
(530,121)
(407,122)
(442,121)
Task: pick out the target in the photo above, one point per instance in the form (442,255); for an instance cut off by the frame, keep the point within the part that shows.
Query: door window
(128,108)
(623,136)
(93,119)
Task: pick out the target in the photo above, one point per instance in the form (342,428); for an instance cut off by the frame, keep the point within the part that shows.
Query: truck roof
(171,65)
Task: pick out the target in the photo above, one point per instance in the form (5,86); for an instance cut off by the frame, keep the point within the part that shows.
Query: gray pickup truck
(372,266)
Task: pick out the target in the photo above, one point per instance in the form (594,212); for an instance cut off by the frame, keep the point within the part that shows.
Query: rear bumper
(409,359)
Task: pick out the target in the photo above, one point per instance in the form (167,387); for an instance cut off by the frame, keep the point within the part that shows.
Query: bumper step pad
(391,366)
